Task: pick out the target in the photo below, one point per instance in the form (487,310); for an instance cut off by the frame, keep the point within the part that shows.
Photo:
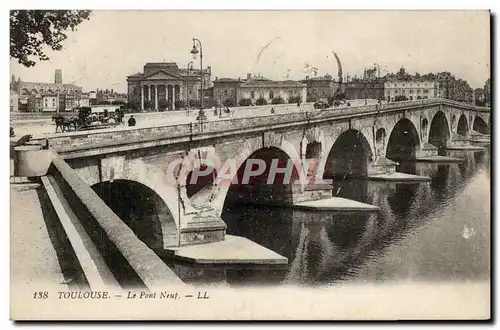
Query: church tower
(58,77)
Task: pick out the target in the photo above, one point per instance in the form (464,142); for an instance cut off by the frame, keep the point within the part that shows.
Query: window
(271,95)
(426,91)
(190,91)
(225,92)
(252,94)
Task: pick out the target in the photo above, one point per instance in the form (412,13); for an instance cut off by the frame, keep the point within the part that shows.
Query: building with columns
(164,86)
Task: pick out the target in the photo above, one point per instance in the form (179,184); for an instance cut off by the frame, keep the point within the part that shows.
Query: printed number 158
(40,295)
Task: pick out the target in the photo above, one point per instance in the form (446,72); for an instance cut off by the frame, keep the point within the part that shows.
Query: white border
(185,4)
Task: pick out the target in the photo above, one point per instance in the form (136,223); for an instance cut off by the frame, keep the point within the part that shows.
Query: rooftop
(271,83)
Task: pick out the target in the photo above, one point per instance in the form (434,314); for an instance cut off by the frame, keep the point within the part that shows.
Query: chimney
(249,75)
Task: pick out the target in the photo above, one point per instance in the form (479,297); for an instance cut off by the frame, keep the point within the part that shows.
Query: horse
(74,121)
(63,123)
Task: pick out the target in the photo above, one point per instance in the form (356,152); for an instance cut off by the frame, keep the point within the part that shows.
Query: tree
(399,98)
(487,91)
(229,102)
(31,30)
(261,101)
(245,102)
(277,100)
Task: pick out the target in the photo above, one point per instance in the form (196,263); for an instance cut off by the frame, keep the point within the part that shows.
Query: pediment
(162,75)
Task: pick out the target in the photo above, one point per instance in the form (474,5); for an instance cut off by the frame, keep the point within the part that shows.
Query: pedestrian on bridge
(131,121)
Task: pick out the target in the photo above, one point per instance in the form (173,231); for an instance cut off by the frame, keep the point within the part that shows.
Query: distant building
(50,102)
(410,90)
(14,101)
(320,87)
(164,86)
(231,91)
(31,94)
(84,100)
(106,96)
(93,97)
(364,89)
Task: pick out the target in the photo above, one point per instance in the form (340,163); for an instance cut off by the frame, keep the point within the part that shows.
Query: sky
(103,51)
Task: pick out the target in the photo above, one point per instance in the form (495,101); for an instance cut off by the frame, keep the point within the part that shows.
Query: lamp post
(365,78)
(379,94)
(194,52)
(189,68)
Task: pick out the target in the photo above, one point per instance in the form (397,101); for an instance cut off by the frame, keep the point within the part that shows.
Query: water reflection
(324,248)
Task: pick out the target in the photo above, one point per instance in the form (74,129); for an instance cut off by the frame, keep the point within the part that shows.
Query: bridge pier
(201,228)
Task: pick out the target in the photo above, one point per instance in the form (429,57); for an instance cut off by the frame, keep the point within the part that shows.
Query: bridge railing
(90,139)
(124,253)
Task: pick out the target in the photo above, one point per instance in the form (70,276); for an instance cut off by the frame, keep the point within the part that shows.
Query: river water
(428,231)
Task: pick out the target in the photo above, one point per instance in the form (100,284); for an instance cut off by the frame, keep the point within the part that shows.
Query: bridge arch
(403,141)
(463,126)
(235,188)
(137,170)
(439,131)
(480,126)
(142,209)
(349,156)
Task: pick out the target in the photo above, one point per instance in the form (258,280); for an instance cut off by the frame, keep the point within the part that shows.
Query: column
(181,97)
(173,97)
(149,93)
(142,98)
(156,97)
(166,95)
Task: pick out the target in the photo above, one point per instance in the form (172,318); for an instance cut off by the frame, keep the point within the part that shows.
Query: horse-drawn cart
(97,117)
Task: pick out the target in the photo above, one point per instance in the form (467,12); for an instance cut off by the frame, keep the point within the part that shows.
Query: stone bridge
(154,166)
